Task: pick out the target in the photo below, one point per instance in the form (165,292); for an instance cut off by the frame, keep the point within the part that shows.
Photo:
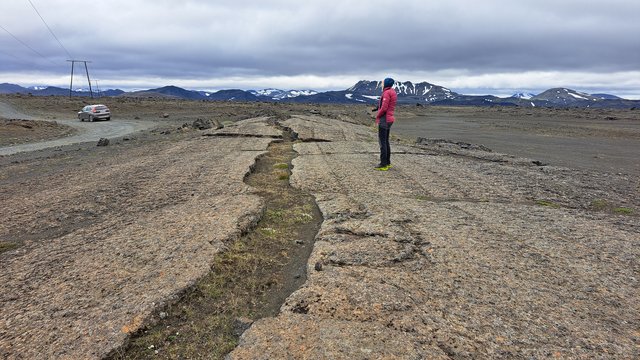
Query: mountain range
(364,91)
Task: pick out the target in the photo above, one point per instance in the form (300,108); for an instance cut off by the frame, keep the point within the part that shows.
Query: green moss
(599,204)
(547,203)
(275,215)
(6,246)
(283,177)
(281,166)
(268,232)
(623,210)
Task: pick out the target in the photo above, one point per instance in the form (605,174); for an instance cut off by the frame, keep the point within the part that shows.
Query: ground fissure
(250,279)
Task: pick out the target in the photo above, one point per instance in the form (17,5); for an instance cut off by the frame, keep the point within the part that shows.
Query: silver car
(94,112)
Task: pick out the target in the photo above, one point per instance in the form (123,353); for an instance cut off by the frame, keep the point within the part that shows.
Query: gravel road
(86,131)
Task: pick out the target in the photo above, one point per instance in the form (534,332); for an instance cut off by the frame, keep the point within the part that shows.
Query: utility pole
(73,62)
(98,91)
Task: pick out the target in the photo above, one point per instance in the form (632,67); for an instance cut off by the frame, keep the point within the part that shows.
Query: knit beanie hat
(388,82)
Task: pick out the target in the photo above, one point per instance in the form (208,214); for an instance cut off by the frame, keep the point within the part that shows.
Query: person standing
(384,120)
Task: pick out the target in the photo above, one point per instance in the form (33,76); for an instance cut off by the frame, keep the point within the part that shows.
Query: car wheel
(109,118)
(81,119)
(91,118)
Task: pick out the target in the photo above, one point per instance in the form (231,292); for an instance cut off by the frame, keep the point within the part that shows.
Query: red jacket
(387,105)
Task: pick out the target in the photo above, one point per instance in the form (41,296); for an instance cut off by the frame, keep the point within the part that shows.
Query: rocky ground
(600,140)
(18,131)
(99,248)
(456,252)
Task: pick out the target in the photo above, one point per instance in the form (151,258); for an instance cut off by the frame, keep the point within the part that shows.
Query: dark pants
(385,147)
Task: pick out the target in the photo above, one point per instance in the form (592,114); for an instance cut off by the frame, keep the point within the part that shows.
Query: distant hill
(53,91)
(328,97)
(363,92)
(6,88)
(562,96)
(233,95)
(607,96)
(168,92)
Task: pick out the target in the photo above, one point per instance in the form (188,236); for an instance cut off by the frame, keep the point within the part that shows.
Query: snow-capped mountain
(363,92)
(523,95)
(277,94)
(407,91)
(562,96)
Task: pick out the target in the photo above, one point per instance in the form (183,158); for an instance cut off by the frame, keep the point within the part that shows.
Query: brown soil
(16,131)
(604,140)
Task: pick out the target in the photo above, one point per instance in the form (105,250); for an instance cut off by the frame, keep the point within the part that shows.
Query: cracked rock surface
(452,254)
(106,242)
(257,127)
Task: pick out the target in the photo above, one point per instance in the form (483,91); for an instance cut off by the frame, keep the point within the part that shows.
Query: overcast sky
(490,46)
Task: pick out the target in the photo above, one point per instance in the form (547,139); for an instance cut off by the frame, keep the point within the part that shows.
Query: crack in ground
(251,278)
(231,135)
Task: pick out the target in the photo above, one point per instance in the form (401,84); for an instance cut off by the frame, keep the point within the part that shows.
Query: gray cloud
(190,40)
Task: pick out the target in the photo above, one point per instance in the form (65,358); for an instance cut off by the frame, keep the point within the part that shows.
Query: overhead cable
(51,31)
(27,46)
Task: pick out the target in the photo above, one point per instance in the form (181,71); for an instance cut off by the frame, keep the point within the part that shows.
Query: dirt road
(86,131)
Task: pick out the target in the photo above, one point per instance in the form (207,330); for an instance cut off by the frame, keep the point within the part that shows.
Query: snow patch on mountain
(523,95)
(578,96)
(268,92)
(295,93)
(277,94)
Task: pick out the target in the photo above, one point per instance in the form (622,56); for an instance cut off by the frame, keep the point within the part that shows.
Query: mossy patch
(547,203)
(6,246)
(623,211)
(282,166)
(606,206)
(600,204)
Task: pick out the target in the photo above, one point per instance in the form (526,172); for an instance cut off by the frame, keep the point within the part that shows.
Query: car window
(101,107)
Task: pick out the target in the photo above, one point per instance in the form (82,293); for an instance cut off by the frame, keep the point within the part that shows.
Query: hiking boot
(381,167)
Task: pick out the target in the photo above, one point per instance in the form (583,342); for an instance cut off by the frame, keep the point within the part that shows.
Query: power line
(27,46)
(51,31)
